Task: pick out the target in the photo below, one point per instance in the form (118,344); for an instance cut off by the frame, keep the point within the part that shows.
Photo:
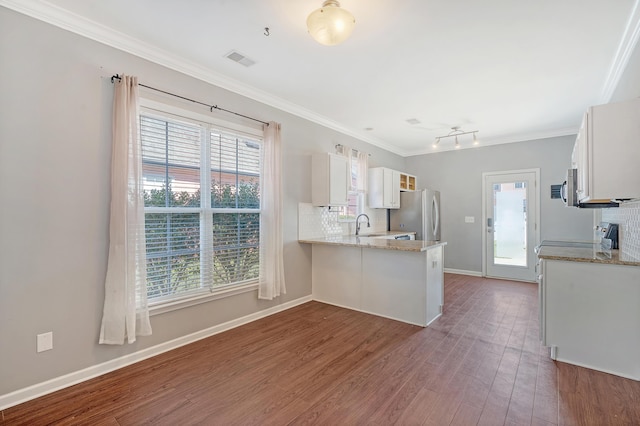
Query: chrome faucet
(358,223)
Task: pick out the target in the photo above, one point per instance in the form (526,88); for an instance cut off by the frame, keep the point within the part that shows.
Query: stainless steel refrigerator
(420,212)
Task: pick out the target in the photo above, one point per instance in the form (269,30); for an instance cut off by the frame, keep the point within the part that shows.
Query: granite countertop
(376,243)
(590,255)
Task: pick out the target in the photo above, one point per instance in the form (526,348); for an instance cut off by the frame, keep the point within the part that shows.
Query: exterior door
(510,224)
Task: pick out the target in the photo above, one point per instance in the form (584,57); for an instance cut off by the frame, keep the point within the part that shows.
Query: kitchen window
(355,204)
(358,165)
(201,187)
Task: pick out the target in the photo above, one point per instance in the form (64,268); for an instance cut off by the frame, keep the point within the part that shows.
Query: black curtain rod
(211,107)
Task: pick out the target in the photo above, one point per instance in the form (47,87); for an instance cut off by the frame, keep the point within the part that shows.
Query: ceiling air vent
(240,58)
(413,121)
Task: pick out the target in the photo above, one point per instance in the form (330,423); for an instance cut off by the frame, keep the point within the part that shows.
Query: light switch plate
(44,342)
(469,219)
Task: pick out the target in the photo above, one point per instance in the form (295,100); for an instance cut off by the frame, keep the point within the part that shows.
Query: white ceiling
(514,70)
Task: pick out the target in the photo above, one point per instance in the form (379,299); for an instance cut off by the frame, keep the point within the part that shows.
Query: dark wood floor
(480,363)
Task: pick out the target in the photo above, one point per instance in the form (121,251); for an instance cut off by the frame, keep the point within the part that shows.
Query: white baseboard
(599,368)
(40,389)
(463,272)
(367,312)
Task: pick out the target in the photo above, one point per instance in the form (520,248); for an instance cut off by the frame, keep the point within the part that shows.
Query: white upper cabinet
(329,180)
(607,152)
(407,182)
(384,188)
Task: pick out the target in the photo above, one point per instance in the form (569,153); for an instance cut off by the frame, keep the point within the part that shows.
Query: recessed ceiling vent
(413,121)
(240,58)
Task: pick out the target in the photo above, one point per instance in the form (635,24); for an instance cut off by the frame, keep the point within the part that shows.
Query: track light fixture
(454,133)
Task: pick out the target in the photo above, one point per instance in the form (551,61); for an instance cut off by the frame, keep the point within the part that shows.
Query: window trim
(196,118)
(203,294)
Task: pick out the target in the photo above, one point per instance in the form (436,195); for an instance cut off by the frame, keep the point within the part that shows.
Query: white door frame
(484,210)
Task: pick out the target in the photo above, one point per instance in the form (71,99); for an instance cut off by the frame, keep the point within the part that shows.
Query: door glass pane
(510,224)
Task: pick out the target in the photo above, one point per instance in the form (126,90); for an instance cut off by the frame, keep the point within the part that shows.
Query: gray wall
(458,175)
(55,120)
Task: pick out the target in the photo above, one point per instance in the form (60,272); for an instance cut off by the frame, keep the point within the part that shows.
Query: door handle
(489,224)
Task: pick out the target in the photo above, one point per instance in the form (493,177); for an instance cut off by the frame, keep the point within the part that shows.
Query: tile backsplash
(320,222)
(628,218)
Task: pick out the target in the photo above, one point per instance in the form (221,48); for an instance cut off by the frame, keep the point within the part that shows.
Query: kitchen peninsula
(397,279)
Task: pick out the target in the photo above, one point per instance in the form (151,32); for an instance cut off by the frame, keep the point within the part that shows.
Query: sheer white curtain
(271,247)
(358,166)
(125,314)
(362,163)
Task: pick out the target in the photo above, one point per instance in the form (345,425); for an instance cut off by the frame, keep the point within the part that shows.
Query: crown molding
(522,137)
(625,50)
(62,18)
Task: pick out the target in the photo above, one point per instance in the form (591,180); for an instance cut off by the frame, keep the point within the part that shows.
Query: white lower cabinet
(590,315)
(435,282)
(401,285)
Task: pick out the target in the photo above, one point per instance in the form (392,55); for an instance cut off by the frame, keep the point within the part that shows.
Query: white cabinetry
(407,182)
(607,151)
(384,188)
(579,160)
(589,315)
(435,283)
(329,180)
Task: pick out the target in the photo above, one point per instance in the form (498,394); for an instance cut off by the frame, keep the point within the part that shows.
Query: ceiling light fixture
(330,25)
(454,133)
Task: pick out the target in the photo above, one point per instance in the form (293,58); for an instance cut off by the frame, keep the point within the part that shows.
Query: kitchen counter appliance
(609,234)
(569,194)
(419,212)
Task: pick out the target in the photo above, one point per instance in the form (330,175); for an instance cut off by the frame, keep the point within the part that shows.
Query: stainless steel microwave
(569,191)
(569,194)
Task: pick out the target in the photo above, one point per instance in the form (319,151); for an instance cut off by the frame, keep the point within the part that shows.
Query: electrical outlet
(469,219)
(44,342)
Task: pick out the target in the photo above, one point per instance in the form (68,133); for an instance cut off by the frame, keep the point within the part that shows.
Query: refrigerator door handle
(435,211)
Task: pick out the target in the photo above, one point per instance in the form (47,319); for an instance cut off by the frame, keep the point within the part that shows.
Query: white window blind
(199,243)
(235,201)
